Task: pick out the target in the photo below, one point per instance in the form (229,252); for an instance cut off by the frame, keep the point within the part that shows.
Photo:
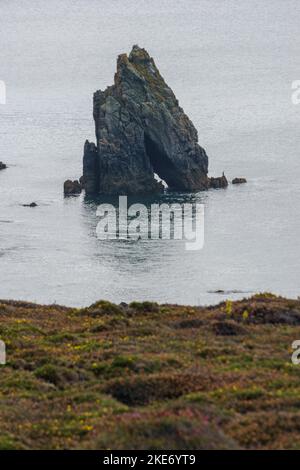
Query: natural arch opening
(162,166)
(160,180)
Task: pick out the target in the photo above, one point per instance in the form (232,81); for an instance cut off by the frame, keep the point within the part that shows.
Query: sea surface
(231,64)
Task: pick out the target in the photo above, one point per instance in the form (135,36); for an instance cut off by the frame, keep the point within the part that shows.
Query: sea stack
(142,130)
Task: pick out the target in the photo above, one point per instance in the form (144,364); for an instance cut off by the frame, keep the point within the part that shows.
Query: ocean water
(231,65)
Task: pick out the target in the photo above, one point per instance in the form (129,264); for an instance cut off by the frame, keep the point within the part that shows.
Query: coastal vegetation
(150,376)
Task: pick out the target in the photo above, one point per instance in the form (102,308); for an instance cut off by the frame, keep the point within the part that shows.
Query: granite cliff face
(141,130)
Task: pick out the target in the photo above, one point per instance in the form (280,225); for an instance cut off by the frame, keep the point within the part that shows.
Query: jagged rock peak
(141,130)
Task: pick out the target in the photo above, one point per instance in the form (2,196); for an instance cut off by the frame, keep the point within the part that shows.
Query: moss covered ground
(149,376)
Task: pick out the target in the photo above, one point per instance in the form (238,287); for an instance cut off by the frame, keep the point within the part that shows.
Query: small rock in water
(239,181)
(219,182)
(72,187)
(32,204)
(2,166)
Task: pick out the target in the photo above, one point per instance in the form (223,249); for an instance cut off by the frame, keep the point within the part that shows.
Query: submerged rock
(239,181)
(2,166)
(72,187)
(32,204)
(142,130)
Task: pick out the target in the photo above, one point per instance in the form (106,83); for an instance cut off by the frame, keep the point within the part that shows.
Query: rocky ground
(148,376)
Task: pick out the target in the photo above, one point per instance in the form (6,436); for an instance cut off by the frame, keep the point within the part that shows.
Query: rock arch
(141,130)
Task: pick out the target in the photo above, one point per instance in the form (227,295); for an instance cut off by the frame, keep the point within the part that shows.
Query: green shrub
(144,307)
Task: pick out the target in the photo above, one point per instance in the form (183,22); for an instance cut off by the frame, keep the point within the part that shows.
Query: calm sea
(231,64)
